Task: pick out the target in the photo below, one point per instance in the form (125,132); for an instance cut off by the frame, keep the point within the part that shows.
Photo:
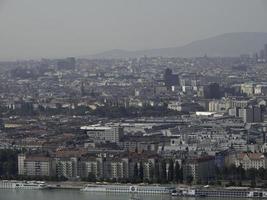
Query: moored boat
(25,185)
(229,192)
(139,189)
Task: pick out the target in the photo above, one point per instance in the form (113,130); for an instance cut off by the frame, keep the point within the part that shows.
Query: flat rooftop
(95,128)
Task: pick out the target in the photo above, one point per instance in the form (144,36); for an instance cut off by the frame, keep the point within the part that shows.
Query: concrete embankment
(66,185)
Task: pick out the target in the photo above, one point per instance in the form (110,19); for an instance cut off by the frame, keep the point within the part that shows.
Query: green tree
(181,175)
(91,177)
(157,172)
(177,172)
(8,162)
(136,173)
(225,173)
(218,173)
(261,173)
(141,172)
(241,173)
(233,172)
(189,179)
(171,171)
(163,172)
(252,174)
(253,183)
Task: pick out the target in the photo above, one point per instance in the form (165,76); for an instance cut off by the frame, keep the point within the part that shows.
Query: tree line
(8,163)
(27,109)
(237,175)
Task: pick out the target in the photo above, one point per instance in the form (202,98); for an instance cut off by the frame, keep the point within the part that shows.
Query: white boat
(230,192)
(25,185)
(136,189)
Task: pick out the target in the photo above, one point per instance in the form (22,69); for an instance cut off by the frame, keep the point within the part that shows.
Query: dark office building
(212,91)
(170,79)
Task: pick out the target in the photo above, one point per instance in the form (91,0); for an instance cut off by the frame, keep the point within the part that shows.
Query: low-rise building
(103,134)
(250,160)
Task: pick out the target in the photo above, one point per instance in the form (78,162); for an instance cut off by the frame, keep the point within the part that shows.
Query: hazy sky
(59,28)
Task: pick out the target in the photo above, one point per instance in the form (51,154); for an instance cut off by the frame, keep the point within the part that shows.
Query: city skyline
(133,98)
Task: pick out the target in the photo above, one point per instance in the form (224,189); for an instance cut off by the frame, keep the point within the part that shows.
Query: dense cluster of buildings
(119,119)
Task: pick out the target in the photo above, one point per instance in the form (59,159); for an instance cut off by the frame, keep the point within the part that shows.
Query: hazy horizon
(61,28)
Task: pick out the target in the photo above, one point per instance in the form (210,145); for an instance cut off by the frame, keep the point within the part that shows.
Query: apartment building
(36,165)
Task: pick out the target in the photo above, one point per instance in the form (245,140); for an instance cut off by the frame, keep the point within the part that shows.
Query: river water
(6,194)
(9,194)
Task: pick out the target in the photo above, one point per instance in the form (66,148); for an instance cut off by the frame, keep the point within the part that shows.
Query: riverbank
(74,185)
(77,185)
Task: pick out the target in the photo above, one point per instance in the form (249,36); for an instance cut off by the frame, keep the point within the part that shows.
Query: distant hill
(229,44)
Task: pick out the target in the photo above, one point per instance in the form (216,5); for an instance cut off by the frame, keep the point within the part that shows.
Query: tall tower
(265,51)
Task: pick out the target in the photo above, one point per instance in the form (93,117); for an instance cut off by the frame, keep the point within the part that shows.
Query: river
(9,194)
(6,194)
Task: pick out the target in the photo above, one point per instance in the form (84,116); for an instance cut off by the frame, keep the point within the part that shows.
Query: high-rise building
(251,114)
(265,51)
(246,114)
(21,159)
(67,167)
(211,91)
(92,166)
(214,90)
(36,165)
(170,79)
